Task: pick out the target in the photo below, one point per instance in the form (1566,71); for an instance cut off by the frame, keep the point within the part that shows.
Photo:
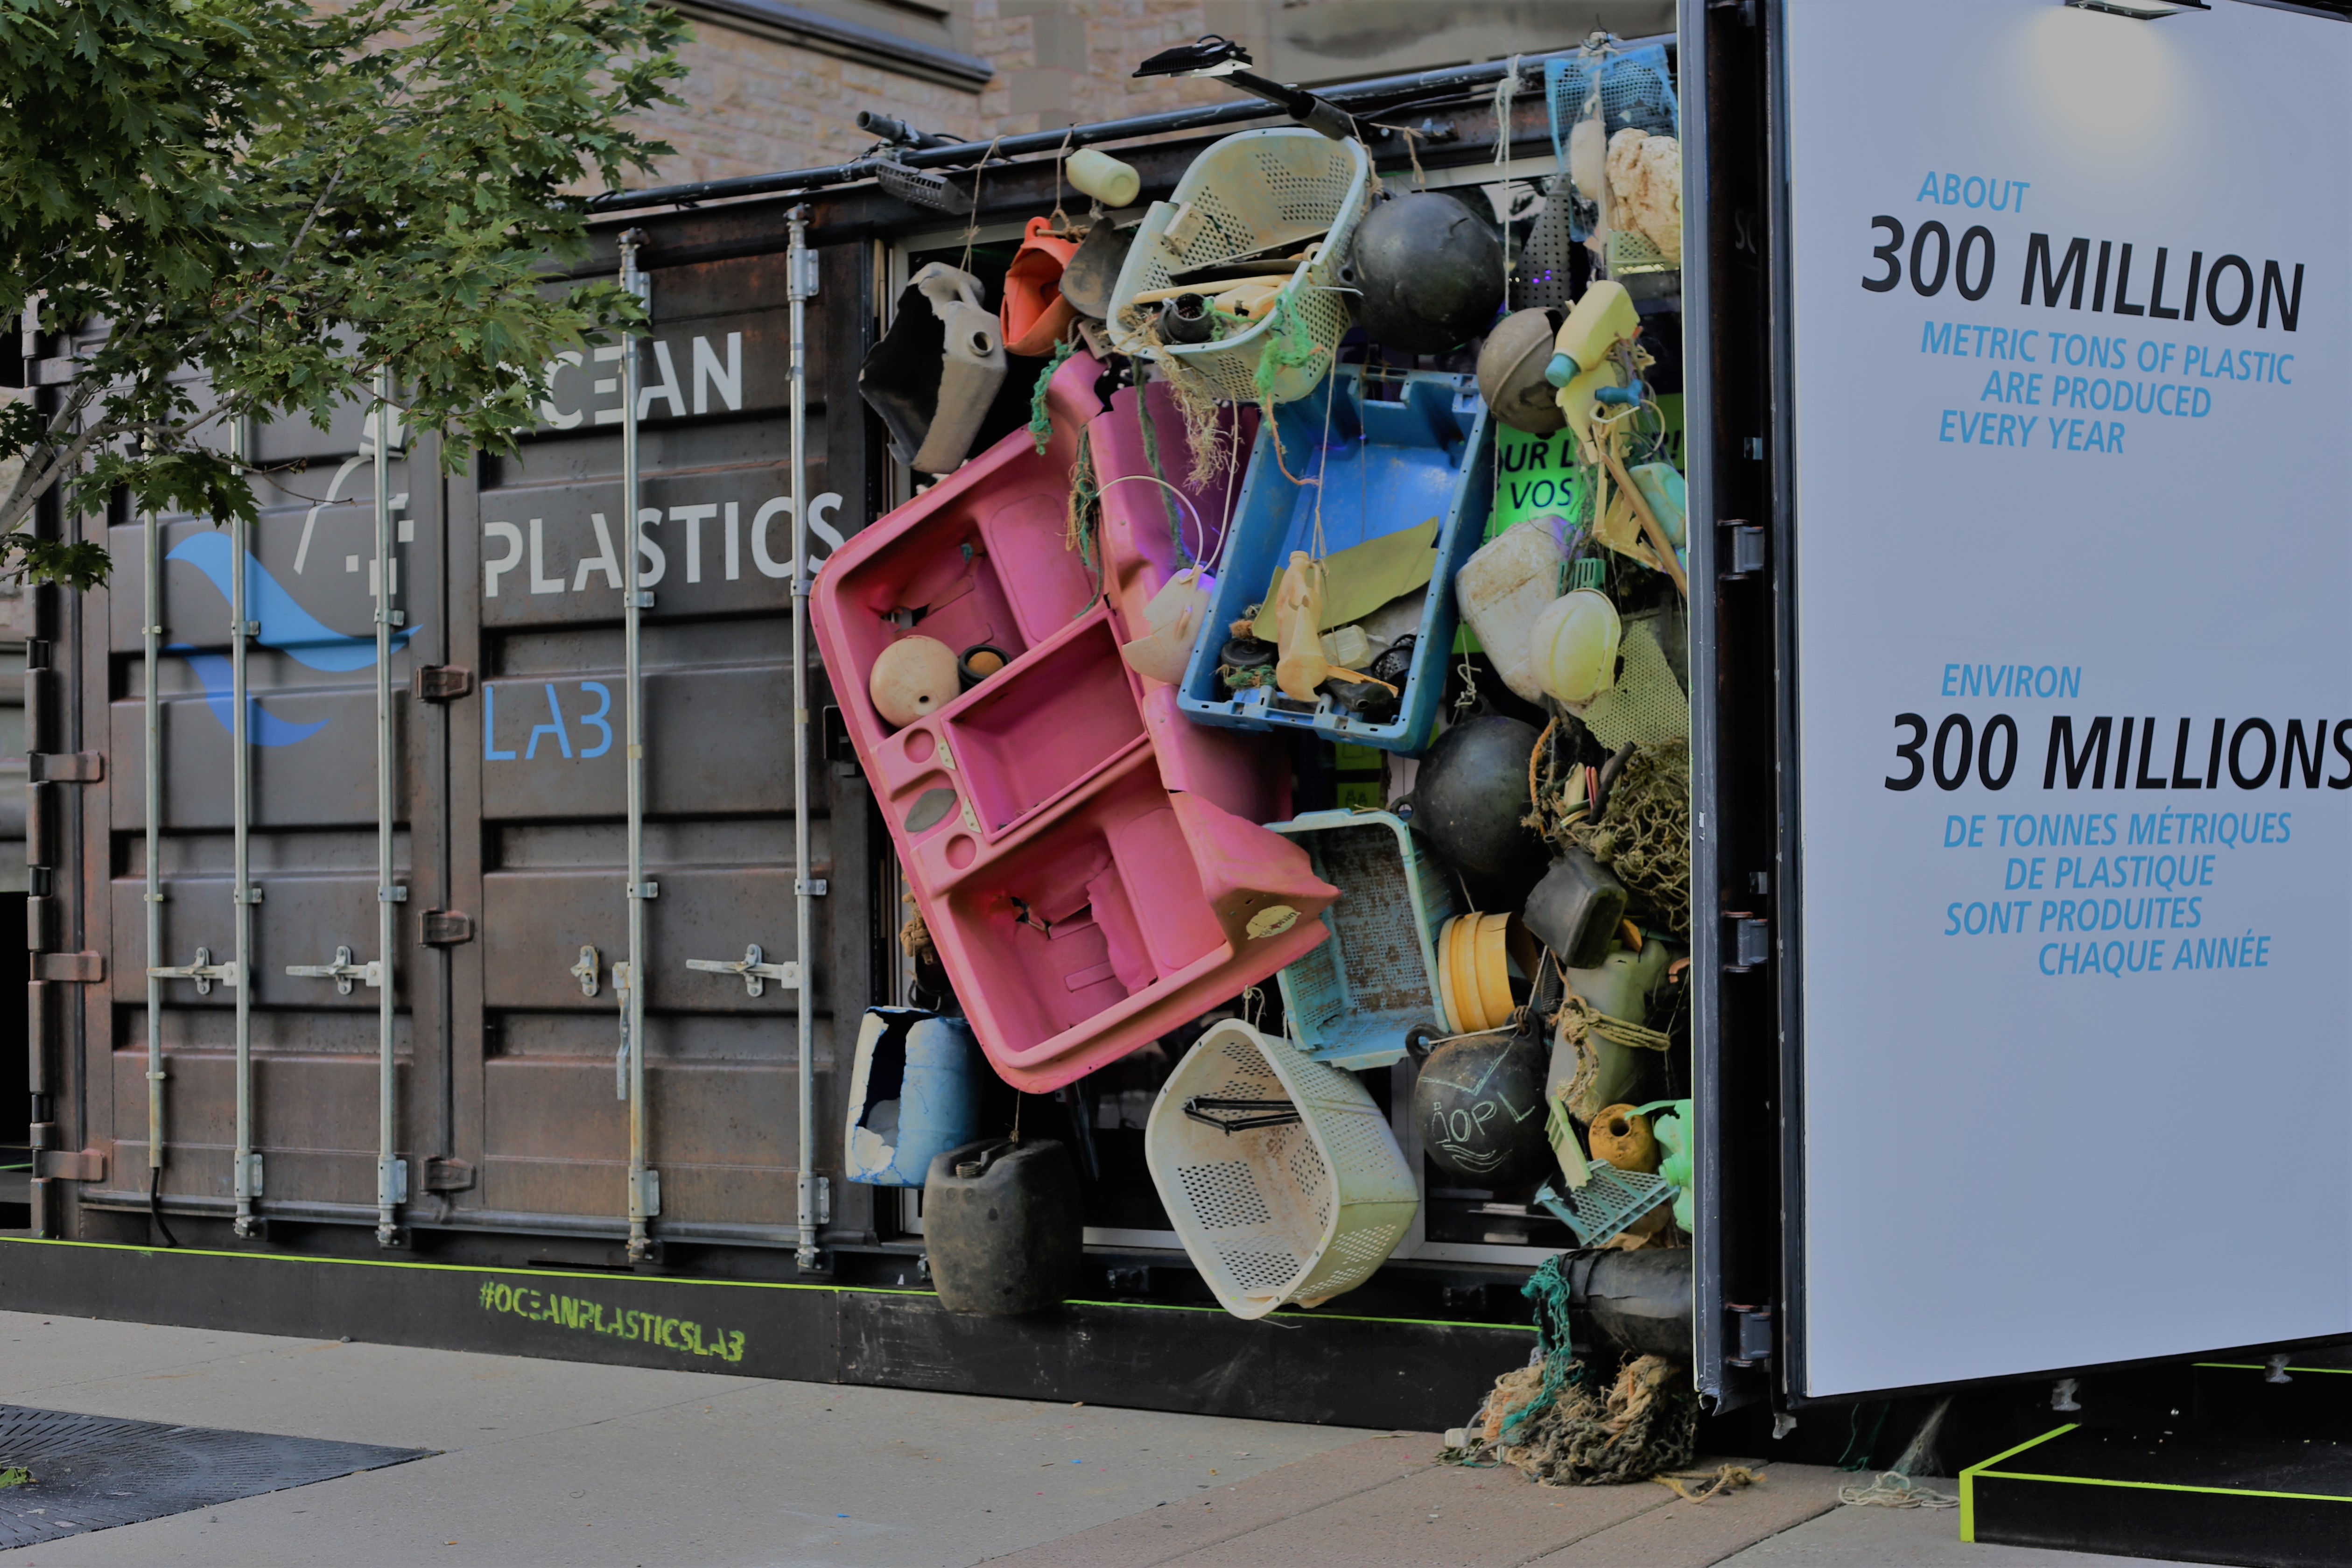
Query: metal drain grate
(93,1472)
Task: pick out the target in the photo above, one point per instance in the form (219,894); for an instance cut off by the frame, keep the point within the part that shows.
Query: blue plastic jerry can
(914,1094)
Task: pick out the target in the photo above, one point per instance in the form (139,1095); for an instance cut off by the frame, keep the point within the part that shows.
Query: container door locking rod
(801,280)
(644,1184)
(247,1170)
(391,1172)
(151,634)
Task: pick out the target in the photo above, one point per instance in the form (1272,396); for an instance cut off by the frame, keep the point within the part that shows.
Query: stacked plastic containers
(1091,867)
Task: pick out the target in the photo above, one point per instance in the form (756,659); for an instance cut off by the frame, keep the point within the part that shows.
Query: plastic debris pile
(1221,646)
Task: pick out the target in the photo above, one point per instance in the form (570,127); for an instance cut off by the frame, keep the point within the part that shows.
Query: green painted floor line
(2160,1486)
(1968,1476)
(679,1280)
(2261,1366)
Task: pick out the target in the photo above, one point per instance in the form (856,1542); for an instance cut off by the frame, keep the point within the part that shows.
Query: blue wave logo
(286,626)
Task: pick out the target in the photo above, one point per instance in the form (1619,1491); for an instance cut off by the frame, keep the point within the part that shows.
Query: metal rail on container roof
(1482,74)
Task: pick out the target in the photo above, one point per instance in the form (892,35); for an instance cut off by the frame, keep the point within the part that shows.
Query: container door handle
(342,971)
(203,971)
(755,973)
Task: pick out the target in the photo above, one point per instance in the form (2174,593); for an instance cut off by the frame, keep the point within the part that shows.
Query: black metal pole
(1484,74)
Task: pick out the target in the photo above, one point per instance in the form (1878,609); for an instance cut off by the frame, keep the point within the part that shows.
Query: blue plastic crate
(1413,446)
(1351,1000)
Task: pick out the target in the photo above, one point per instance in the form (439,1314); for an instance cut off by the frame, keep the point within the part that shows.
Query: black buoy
(1428,272)
(1479,1106)
(1471,792)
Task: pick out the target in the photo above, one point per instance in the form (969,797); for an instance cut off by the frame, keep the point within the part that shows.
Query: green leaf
(270,203)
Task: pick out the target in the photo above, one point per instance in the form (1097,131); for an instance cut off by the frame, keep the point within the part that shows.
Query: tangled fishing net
(1212,440)
(1555,1421)
(1642,833)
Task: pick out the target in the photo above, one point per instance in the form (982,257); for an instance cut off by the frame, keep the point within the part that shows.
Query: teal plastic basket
(1353,1000)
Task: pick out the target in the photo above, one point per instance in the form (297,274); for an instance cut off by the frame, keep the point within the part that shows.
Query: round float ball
(1511,371)
(1428,272)
(1479,1106)
(1471,793)
(915,676)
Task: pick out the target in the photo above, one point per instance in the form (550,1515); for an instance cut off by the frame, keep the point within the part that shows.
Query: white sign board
(2072,357)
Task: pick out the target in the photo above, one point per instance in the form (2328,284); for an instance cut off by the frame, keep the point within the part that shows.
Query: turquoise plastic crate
(1351,1000)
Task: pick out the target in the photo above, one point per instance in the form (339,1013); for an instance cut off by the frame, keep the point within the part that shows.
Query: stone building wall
(756,104)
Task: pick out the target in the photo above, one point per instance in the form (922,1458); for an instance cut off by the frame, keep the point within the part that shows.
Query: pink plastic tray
(1090,865)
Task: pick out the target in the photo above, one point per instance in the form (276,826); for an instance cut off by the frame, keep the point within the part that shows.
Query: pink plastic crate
(1090,865)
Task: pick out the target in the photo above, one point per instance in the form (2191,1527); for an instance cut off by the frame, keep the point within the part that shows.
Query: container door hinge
(448,1175)
(756,973)
(444,928)
(441,682)
(342,971)
(648,1204)
(82,968)
(1751,1336)
(818,1193)
(1743,549)
(66,767)
(70,1165)
(203,971)
(1749,945)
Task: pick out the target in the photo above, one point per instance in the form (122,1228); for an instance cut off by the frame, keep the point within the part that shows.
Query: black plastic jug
(1003,1226)
(1576,909)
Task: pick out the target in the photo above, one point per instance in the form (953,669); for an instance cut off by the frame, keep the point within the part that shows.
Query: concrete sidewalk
(569,1463)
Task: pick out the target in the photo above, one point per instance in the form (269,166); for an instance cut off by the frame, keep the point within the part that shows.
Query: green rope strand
(1041,422)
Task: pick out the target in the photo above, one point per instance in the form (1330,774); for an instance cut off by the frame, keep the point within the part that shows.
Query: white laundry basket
(1296,1211)
(1254,190)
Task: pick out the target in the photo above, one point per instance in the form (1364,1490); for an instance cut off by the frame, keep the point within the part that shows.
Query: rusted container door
(538,780)
(312,732)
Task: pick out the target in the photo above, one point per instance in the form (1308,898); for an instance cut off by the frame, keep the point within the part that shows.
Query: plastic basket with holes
(1609,1200)
(1249,193)
(1297,1201)
(1353,1000)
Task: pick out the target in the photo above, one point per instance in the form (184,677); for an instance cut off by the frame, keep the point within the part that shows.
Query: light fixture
(2145,10)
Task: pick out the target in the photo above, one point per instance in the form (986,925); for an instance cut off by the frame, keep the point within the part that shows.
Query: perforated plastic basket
(1351,1001)
(1637,91)
(1249,193)
(1295,1212)
(1607,1204)
(1647,704)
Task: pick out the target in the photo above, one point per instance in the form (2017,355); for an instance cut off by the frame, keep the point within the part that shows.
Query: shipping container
(508,1196)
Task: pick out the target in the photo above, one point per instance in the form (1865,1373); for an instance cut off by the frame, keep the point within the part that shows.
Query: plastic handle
(946,285)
